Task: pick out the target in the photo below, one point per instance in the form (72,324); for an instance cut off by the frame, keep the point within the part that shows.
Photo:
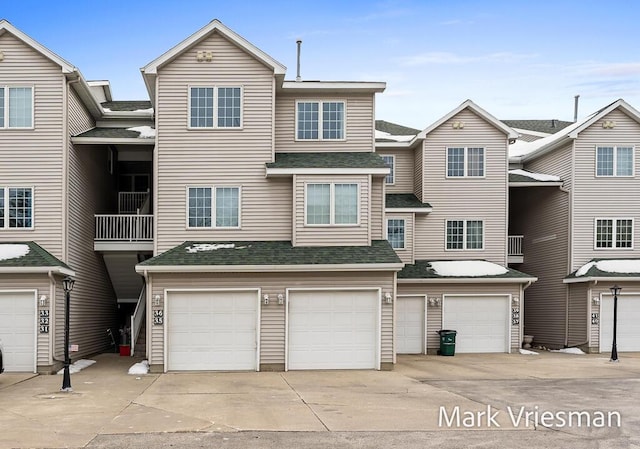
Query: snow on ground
(576,351)
(78,366)
(384,135)
(611,266)
(146,132)
(527,352)
(13,251)
(140,368)
(536,176)
(467,268)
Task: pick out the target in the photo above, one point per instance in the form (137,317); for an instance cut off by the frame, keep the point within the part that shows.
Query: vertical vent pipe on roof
(575,108)
(299,43)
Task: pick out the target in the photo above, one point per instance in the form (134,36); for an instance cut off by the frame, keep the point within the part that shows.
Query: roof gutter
(37,270)
(597,279)
(267,268)
(527,281)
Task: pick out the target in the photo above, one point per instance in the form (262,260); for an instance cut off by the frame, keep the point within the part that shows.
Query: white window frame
(393,169)
(320,120)
(614,228)
(465,222)
(213,206)
(615,161)
(215,88)
(332,204)
(404,225)
(465,174)
(6,226)
(6,117)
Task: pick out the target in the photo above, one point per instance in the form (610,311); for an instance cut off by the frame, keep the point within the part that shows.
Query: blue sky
(516,59)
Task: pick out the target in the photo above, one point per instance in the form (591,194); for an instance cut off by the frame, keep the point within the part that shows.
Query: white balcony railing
(124,228)
(514,245)
(131,202)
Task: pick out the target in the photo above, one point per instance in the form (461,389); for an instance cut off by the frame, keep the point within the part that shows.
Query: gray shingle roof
(421,269)
(110,133)
(328,160)
(543,126)
(404,201)
(279,253)
(395,129)
(36,257)
(119,106)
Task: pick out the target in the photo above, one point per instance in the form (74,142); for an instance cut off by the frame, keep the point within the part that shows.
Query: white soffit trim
(113,140)
(326,171)
(266,268)
(34,270)
(468,281)
(414,210)
(536,184)
(601,279)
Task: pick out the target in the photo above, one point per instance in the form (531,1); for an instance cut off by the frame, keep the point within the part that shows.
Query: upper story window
(614,233)
(465,162)
(331,204)
(16,107)
(391,162)
(213,207)
(320,120)
(16,207)
(465,234)
(215,107)
(396,232)
(614,161)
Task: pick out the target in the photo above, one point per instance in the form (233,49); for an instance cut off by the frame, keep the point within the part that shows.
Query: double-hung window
(215,107)
(391,163)
(396,232)
(614,233)
(213,207)
(16,107)
(465,162)
(331,204)
(464,234)
(320,120)
(614,161)
(16,207)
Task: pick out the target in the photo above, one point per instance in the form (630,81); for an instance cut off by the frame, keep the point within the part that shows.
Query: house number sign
(595,318)
(158,317)
(44,322)
(515,316)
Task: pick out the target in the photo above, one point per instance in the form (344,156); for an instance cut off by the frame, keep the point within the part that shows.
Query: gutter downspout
(148,311)
(52,318)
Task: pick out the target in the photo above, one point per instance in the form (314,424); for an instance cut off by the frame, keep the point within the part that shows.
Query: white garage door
(333,330)
(18,330)
(628,329)
(482,322)
(410,320)
(213,331)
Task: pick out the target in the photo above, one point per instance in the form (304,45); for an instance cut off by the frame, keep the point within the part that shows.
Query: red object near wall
(125,350)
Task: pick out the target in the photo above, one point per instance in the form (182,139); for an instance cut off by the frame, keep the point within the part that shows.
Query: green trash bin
(447,342)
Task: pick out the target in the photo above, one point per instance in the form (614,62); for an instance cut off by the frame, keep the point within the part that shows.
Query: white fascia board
(536,184)
(326,171)
(112,140)
(312,86)
(396,145)
(468,281)
(145,115)
(37,270)
(414,210)
(597,279)
(265,268)
(531,132)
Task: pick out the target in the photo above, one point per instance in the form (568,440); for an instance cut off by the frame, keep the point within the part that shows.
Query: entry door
(410,322)
(628,330)
(18,331)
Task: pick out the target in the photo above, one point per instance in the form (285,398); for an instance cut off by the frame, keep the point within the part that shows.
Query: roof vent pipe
(575,108)
(298,78)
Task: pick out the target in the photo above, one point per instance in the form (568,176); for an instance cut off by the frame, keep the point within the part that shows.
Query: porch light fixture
(43,300)
(615,291)
(280,298)
(596,301)
(156,300)
(388,298)
(265,299)
(515,300)
(67,285)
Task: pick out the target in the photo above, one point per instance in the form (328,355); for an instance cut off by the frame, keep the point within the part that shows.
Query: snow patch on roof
(536,176)
(467,268)
(144,110)
(106,109)
(146,132)
(212,247)
(624,266)
(13,251)
(385,135)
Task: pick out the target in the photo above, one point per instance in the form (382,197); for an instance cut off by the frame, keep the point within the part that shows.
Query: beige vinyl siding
(359,130)
(272,332)
(321,235)
(377,208)
(557,162)
(404,170)
(93,308)
(578,330)
(33,157)
(604,197)
(233,157)
(464,198)
(406,254)
(434,313)
(418,174)
(541,215)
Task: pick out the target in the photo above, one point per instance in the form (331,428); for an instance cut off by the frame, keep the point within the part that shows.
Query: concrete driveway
(418,398)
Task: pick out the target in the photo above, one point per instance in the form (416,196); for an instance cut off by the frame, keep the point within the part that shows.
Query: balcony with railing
(131,229)
(514,249)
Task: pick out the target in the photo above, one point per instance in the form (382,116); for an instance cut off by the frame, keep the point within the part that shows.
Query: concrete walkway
(106,400)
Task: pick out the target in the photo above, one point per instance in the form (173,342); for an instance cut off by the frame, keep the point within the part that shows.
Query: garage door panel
(17,330)
(628,329)
(481,322)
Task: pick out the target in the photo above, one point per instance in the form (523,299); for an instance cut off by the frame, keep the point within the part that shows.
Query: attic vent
(204,56)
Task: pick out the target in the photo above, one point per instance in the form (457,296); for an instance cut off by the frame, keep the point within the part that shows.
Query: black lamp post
(67,285)
(615,291)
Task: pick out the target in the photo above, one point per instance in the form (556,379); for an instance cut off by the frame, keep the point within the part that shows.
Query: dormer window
(320,120)
(215,107)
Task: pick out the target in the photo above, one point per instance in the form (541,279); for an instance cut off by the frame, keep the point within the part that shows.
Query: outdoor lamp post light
(67,285)
(615,291)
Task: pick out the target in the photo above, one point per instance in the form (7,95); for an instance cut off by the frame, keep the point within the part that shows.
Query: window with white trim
(396,232)
(320,120)
(213,207)
(215,107)
(614,233)
(16,207)
(464,234)
(390,160)
(614,161)
(16,107)
(463,162)
(331,204)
